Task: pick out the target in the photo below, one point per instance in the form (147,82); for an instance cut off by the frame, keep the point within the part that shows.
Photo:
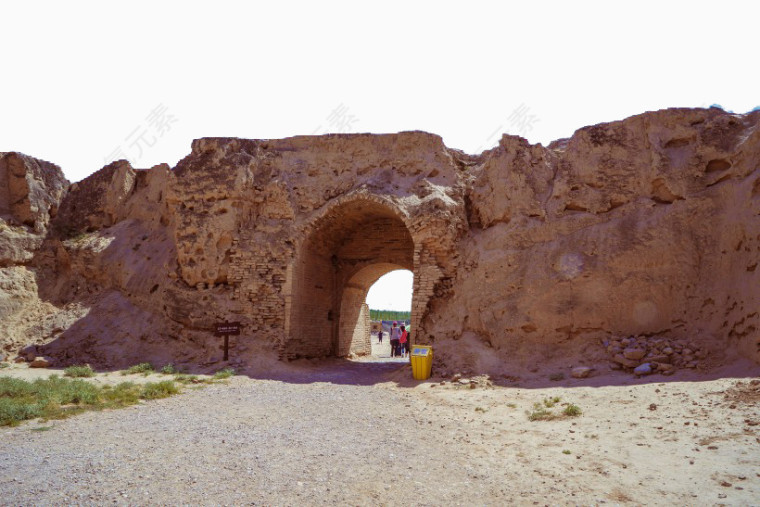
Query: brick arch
(345,249)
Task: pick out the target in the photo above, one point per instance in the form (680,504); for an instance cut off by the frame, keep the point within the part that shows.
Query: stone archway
(345,251)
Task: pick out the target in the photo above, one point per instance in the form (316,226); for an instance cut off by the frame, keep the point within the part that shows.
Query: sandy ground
(363,432)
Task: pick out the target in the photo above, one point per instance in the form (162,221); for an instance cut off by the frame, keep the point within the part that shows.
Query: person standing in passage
(402,341)
(395,337)
(380,336)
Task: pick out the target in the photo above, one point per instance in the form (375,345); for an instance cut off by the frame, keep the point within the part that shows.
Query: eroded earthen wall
(645,226)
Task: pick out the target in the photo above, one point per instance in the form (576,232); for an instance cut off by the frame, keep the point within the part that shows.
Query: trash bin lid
(420,351)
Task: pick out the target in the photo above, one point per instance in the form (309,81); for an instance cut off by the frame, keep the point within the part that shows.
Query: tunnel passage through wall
(345,252)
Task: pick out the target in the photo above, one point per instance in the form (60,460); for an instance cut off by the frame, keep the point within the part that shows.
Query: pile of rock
(645,355)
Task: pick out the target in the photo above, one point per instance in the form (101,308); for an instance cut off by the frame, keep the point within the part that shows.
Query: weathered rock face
(30,193)
(647,226)
(640,227)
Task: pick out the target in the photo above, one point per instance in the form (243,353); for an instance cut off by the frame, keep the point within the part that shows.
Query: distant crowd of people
(400,339)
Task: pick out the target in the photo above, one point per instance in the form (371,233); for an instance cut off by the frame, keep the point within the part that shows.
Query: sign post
(227,329)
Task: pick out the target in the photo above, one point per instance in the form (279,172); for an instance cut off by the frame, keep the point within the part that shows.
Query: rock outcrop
(645,227)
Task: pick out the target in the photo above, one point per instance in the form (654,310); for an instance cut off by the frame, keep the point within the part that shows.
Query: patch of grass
(121,395)
(541,410)
(56,397)
(4,365)
(42,428)
(169,369)
(79,371)
(566,451)
(480,409)
(540,413)
(144,368)
(512,405)
(156,390)
(50,398)
(556,377)
(224,373)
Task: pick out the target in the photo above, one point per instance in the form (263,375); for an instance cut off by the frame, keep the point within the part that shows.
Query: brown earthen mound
(644,229)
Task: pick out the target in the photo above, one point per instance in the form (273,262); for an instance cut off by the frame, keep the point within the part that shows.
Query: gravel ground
(362,433)
(246,442)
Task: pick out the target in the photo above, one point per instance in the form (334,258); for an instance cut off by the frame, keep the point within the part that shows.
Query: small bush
(122,394)
(566,451)
(480,409)
(169,369)
(4,365)
(556,377)
(155,390)
(540,413)
(512,405)
(145,368)
(224,373)
(14,411)
(79,371)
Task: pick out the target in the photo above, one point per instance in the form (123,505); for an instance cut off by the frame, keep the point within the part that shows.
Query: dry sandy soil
(363,432)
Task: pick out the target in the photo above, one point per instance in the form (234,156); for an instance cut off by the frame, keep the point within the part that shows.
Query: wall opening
(345,252)
(389,300)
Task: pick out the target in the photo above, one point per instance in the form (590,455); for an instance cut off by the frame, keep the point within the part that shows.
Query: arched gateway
(347,249)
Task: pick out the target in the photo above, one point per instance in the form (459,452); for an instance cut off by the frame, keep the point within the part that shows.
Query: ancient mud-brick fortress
(646,226)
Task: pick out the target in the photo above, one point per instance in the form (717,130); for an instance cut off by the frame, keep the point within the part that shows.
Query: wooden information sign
(227,329)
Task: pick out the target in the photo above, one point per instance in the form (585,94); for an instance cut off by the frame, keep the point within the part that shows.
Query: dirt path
(342,433)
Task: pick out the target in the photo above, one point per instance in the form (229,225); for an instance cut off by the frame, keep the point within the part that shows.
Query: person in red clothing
(402,341)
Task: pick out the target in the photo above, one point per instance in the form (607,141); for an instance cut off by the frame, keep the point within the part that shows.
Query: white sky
(81,79)
(392,291)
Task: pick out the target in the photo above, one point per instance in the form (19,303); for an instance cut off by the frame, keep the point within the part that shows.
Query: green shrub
(145,368)
(121,395)
(540,413)
(79,371)
(155,390)
(14,387)
(224,373)
(14,411)
(169,369)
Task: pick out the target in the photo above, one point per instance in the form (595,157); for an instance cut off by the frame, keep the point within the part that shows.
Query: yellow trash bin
(422,361)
